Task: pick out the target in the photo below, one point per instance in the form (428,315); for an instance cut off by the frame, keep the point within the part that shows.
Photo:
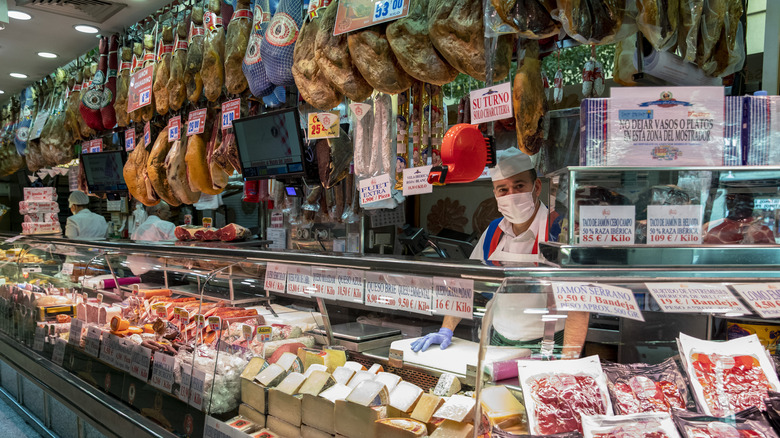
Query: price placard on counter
(349,285)
(162,371)
(92,342)
(125,347)
(453,296)
(67,269)
(299,280)
(763,298)
(415,294)
(602,225)
(275,277)
(324,281)
(322,125)
(596,298)
(76,328)
(674,224)
(191,389)
(40,337)
(58,355)
(141,359)
(695,297)
(381,290)
(231,110)
(107,348)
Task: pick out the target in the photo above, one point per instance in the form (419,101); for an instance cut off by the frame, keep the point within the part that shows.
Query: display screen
(270,145)
(103,171)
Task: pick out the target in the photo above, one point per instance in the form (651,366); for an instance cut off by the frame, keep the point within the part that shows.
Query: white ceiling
(20,41)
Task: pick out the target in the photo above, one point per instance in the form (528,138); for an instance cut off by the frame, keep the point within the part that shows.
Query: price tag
(764,298)
(215,323)
(139,93)
(196,123)
(177,314)
(147,134)
(130,139)
(76,326)
(162,371)
(200,322)
(674,224)
(174,128)
(67,269)
(96,145)
(324,281)
(107,348)
(85,147)
(299,280)
(358,14)
(198,380)
(160,310)
(317,129)
(125,361)
(415,294)
(31,269)
(386,9)
(231,110)
(360,109)
(416,181)
(377,188)
(40,336)
(275,277)
(381,290)
(100,298)
(264,333)
(207,221)
(186,379)
(92,342)
(695,297)
(141,358)
(119,352)
(602,225)
(596,298)
(246,332)
(185,316)
(58,356)
(453,296)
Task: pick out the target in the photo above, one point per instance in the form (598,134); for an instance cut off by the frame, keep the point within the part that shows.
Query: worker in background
(156,227)
(84,224)
(519,319)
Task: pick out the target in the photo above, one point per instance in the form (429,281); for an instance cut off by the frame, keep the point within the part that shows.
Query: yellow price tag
(323,125)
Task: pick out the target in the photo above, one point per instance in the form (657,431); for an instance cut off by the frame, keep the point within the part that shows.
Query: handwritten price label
(162,371)
(174,128)
(129,140)
(316,128)
(141,358)
(196,123)
(231,110)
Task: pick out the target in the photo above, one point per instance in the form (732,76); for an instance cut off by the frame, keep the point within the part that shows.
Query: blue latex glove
(443,337)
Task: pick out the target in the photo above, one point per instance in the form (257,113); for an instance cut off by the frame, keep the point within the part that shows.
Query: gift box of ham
(30,207)
(40,209)
(40,194)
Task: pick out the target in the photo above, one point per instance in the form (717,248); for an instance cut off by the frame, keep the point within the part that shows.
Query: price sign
(174,128)
(76,327)
(695,297)
(453,296)
(196,124)
(349,285)
(31,269)
(299,280)
(275,277)
(125,359)
(92,342)
(58,356)
(492,103)
(139,94)
(596,298)
(674,224)
(416,181)
(764,298)
(107,348)
(264,333)
(162,371)
(185,316)
(246,332)
(324,280)
(130,139)
(96,145)
(198,380)
(231,110)
(40,336)
(358,14)
(200,322)
(602,225)
(317,129)
(186,380)
(147,134)
(384,10)
(415,294)
(160,310)
(215,323)
(67,269)
(141,358)
(381,290)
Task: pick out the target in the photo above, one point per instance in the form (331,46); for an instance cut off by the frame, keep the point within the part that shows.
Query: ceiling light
(19,15)
(85,28)
(2,92)
(47,55)
(19,75)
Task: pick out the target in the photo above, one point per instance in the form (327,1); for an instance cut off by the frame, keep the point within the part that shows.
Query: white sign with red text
(602,225)
(453,296)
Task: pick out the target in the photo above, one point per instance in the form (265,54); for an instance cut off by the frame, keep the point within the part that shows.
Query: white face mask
(517,207)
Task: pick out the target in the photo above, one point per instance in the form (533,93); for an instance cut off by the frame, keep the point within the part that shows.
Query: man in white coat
(156,227)
(84,224)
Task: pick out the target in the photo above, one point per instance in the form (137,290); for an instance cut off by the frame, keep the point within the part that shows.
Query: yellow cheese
(500,406)
(251,414)
(405,396)
(315,367)
(400,428)
(291,384)
(447,385)
(311,432)
(390,380)
(369,393)
(343,375)
(359,377)
(453,429)
(335,358)
(317,382)
(425,408)
(254,366)
(256,396)
(312,357)
(283,428)
(285,407)
(271,376)
(355,421)
(456,408)
(317,412)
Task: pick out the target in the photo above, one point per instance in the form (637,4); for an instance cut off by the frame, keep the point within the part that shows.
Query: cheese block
(291,383)
(447,385)
(453,429)
(376,368)
(311,432)
(283,428)
(335,358)
(354,366)
(316,382)
(317,412)
(312,357)
(390,380)
(271,376)
(251,414)
(285,407)
(456,408)
(355,421)
(290,362)
(315,367)
(254,395)
(343,375)
(426,406)
(264,433)
(255,365)
(501,407)
(401,428)
(369,393)
(359,377)
(405,396)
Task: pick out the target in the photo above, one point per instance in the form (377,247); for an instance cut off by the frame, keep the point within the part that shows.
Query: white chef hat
(511,161)
(78,198)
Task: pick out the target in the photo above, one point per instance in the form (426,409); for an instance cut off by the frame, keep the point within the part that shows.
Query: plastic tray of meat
(641,387)
(557,393)
(642,425)
(728,377)
(749,423)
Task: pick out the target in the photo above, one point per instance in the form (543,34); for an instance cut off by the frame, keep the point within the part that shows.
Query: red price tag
(140,92)
(130,139)
(231,110)
(174,128)
(96,145)
(196,124)
(147,134)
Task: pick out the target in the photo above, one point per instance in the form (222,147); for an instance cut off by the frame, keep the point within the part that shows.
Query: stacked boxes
(40,211)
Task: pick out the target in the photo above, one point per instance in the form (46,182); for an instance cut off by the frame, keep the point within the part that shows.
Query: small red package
(749,423)
(641,387)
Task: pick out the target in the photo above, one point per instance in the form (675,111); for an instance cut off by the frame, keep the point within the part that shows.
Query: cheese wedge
(390,380)
(291,384)
(254,395)
(316,382)
(290,362)
(355,421)
(452,429)
(369,393)
(285,407)
(283,428)
(335,358)
(376,368)
(315,367)
(255,365)
(400,428)
(405,396)
(354,366)
(271,376)
(343,375)
(317,412)
(359,377)
(501,407)
(251,414)
(447,385)
(426,406)
(311,432)
(457,408)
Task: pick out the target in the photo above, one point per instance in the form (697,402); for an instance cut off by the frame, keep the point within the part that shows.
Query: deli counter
(90,326)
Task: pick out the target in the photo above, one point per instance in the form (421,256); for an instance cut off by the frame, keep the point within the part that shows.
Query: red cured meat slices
(747,231)
(562,399)
(233,232)
(743,383)
(207,234)
(641,388)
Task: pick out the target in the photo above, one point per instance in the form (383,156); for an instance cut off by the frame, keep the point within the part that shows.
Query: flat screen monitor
(271,145)
(103,171)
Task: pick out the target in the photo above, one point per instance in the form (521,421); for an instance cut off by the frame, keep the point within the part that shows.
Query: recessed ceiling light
(47,55)
(19,75)
(19,15)
(85,28)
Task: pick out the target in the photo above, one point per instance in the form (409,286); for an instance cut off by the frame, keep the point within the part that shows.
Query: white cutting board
(457,356)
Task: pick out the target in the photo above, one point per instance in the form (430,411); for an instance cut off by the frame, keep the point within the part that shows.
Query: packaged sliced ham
(644,425)
(728,377)
(746,424)
(639,387)
(772,403)
(558,393)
